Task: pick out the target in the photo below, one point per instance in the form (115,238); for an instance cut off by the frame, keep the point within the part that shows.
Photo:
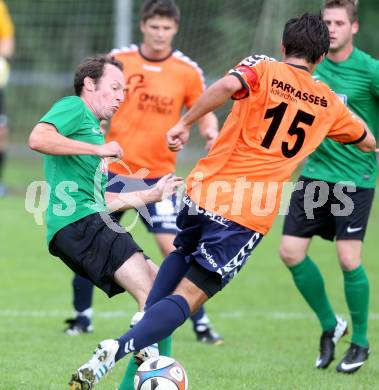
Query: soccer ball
(160,373)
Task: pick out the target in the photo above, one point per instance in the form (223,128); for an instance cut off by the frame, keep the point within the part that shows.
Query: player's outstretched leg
(200,321)
(173,268)
(162,317)
(159,321)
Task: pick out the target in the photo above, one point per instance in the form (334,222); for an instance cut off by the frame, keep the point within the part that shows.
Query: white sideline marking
(57,313)
(279,315)
(119,314)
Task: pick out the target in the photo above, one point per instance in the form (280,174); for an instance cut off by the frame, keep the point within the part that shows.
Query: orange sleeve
(248,78)
(347,128)
(194,87)
(248,72)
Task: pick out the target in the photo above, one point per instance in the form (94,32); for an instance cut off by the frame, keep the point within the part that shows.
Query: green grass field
(271,337)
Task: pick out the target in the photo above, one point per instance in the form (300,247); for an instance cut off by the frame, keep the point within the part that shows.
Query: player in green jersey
(80,231)
(334,194)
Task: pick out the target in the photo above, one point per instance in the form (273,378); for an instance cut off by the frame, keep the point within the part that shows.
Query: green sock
(165,348)
(309,281)
(357,292)
(128,379)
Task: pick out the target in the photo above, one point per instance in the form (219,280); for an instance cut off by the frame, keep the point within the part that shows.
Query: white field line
(276,315)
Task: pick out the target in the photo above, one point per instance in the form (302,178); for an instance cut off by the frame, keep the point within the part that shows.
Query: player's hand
(110,149)
(177,137)
(103,126)
(210,138)
(166,186)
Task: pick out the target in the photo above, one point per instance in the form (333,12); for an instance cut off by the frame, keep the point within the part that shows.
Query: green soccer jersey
(356,82)
(76,182)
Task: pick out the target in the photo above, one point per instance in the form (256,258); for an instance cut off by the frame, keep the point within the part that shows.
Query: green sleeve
(375,81)
(66,115)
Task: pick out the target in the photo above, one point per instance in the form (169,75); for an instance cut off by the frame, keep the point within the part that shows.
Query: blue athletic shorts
(214,242)
(161,215)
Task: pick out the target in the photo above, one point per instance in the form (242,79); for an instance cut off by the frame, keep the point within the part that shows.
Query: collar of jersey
(299,66)
(154,60)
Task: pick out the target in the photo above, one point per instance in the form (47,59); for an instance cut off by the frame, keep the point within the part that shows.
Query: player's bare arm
(45,138)
(208,127)
(164,188)
(215,96)
(368,144)
(376,149)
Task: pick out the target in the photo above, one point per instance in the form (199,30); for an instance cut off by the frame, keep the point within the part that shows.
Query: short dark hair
(167,8)
(92,67)
(351,7)
(306,37)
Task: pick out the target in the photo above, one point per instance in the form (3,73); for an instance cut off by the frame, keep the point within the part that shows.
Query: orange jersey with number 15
(157,91)
(281,115)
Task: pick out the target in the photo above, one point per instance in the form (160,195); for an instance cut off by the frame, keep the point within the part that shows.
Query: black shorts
(342,211)
(208,281)
(92,249)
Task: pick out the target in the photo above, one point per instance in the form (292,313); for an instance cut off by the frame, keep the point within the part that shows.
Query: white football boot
(96,368)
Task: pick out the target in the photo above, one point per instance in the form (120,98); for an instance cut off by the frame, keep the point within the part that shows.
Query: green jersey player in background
(334,194)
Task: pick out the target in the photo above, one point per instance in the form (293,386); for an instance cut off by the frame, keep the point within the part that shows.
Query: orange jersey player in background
(161,82)
(157,91)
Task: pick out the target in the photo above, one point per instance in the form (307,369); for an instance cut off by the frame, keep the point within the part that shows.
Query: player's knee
(289,255)
(193,295)
(349,254)
(348,262)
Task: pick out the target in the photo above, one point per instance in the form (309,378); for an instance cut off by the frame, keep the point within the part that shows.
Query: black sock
(2,160)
